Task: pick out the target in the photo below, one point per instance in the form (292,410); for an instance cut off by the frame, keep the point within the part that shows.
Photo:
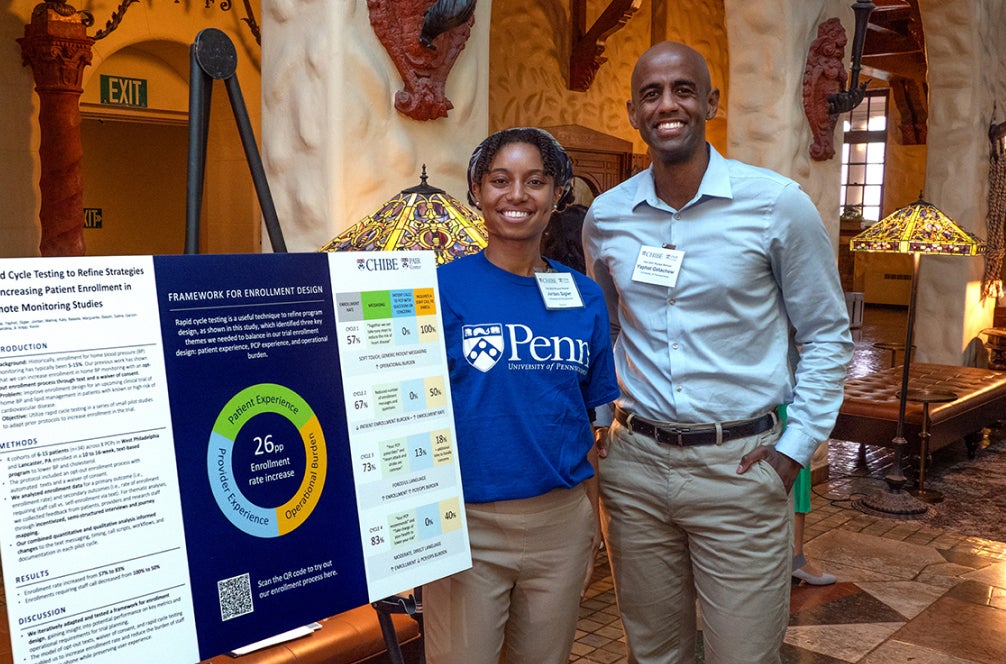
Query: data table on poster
(400,424)
(388,319)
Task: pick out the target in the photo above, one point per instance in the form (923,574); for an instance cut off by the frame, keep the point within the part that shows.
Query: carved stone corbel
(823,75)
(587,46)
(398,24)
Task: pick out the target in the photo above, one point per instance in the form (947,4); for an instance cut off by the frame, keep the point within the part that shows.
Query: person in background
(706,263)
(528,356)
(561,240)
(803,569)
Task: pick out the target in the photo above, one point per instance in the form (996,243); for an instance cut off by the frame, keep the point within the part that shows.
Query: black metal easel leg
(213,57)
(255,164)
(200,94)
(412,605)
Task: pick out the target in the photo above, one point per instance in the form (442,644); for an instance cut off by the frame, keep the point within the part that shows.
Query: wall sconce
(824,93)
(846,100)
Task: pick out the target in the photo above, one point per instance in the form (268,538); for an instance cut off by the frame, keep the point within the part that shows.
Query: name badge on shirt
(558,290)
(658,265)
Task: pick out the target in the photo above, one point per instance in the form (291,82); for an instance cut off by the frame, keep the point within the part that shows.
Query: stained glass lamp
(920,228)
(421,217)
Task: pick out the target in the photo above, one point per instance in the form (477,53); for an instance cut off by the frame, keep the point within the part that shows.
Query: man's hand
(786,468)
(601,441)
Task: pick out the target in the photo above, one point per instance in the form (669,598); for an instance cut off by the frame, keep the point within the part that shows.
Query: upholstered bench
(869,412)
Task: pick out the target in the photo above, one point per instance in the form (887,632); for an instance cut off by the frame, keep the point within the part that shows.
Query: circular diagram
(247,516)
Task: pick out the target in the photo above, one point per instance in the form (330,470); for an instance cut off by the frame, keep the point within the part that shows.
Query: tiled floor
(906,592)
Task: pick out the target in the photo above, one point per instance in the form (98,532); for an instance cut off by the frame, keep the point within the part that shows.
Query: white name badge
(658,265)
(558,290)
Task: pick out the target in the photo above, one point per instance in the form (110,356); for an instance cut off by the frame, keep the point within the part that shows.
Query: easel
(213,57)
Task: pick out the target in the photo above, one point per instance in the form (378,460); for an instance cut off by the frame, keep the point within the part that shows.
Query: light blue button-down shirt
(717,346)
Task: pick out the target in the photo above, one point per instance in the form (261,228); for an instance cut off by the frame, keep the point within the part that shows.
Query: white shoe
(799,575)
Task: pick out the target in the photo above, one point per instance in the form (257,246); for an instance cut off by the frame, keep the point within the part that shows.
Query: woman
(527,361)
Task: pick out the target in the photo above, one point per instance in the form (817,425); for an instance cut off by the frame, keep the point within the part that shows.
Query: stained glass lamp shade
(422,217)
(917,229)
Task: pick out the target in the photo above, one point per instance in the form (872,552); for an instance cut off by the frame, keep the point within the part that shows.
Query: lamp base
(898,504)
(927,495)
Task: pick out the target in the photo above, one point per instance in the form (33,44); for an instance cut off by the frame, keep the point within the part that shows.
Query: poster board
(199,452)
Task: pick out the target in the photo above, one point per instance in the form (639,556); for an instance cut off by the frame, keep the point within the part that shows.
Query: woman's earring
(478,205)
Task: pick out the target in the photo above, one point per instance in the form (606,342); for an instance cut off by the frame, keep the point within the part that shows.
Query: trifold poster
(199,452)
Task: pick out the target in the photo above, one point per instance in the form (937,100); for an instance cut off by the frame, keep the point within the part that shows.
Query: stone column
(57,48)
(966,82)
(769,41)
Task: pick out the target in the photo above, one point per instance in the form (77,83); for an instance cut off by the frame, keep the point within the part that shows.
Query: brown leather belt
(695,434)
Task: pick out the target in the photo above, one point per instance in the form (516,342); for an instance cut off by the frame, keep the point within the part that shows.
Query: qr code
(235,595)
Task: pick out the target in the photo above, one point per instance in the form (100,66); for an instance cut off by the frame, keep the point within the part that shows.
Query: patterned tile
(959,628)
(846,604)
(847,643)
(896,652)
(909,598)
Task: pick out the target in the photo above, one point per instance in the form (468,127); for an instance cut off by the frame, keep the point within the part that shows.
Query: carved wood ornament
(587,50)
(823,75)
(398,24)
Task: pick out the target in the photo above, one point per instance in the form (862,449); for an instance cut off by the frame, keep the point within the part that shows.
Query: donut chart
(253,519)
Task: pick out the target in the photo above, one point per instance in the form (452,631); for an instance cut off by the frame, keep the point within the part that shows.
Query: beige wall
(152,42)
(152,223)
(336,148)
(757,63)
(769,41)
(966,80)
(529,67)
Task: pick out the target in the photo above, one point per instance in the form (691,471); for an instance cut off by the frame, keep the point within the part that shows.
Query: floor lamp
(917,229)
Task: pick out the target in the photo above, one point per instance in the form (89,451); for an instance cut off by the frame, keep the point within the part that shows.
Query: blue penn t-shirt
(522,379)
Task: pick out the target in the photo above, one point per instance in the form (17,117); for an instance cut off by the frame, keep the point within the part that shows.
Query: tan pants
(520,600)
(680,523)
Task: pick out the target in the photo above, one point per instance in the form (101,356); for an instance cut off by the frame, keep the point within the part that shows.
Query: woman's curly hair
(557,163)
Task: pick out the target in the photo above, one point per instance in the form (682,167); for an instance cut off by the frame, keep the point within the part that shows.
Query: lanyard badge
(558,290)
(658,265)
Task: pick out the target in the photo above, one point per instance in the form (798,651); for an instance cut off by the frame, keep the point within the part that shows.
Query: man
(714,273)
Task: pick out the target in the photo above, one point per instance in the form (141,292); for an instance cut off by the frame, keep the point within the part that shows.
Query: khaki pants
(680,523)
(520,600)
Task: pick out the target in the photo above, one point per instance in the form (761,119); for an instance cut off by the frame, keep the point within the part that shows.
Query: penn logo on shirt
(484,346)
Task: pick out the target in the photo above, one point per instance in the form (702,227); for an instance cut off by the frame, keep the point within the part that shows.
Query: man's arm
(804,265)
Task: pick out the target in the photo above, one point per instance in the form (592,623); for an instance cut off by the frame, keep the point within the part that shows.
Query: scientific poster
(198,452)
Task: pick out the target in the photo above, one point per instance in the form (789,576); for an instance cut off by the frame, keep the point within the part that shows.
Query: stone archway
(134,131)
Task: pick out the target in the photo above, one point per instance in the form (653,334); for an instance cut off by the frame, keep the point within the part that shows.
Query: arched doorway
(134,130)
